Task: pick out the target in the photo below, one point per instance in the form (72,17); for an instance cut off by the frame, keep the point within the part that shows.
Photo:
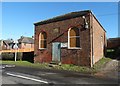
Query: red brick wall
(99,43)
(26,46)
(68,56)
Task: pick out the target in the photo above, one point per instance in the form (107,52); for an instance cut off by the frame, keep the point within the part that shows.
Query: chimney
(22,37)
(32,37)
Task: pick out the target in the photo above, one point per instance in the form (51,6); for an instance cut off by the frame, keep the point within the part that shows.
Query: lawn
(68,67)
(26,64)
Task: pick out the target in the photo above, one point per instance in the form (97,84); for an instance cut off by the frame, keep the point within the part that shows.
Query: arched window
(73,38)
(42,40)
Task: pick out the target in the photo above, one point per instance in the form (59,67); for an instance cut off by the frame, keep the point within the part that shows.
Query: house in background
(113,43)
(26,42)
(113,48)
(1,44)
(74,38)
(7,44)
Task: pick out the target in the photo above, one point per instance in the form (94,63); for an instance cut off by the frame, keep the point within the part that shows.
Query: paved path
(110,70)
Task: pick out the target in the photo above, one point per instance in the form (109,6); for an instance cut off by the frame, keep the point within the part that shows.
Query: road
(12,74)
(11,77)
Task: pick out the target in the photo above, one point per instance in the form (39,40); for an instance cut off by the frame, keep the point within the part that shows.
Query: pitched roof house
(74,38)
(1,43)
(113,43)
(7,44)
(25,42)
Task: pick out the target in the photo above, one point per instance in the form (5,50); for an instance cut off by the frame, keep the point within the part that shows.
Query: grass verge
(101,63)
(68,67)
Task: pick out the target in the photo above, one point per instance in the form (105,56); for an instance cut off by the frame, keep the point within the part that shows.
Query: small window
(73,38)
(42,40)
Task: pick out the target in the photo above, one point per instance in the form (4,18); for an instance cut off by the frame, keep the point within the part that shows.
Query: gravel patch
(110,70)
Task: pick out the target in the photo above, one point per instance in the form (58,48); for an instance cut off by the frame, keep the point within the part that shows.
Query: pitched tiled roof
(67,16)
(63,17)
(26,40)
(8,41)
(114,40)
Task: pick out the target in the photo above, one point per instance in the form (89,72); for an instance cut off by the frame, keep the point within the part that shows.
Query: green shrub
(101,63)
(7,56)
(11,56)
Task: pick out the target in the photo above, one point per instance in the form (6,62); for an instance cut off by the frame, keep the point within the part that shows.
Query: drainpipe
(91,27)
(92,40)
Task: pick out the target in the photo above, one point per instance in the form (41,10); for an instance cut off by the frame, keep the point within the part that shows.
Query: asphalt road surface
(23,76)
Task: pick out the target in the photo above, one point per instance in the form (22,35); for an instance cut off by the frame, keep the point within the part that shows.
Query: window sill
(42,48)
(75,48)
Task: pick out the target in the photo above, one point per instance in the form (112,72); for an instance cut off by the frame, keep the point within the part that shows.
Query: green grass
(75,68)
(110,50)
(26,64)
(68,67)
(101,63)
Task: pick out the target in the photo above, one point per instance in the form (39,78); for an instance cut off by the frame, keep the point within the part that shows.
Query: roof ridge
(63,17)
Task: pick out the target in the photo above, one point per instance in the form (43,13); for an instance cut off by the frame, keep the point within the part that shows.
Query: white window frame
(71,37)
(40,41)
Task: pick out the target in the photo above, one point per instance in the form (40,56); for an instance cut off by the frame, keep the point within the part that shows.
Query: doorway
(56,52)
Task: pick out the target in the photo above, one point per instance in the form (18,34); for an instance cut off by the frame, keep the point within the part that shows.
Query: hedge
(11,56)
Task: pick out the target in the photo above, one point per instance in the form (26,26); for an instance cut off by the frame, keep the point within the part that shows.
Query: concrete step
(53,64)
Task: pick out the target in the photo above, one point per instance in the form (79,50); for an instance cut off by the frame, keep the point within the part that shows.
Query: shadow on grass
(28,56)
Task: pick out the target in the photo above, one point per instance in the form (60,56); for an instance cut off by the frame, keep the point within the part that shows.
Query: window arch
(42,40)
(73,38)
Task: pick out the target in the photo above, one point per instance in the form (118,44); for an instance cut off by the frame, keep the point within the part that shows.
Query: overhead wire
(111,14)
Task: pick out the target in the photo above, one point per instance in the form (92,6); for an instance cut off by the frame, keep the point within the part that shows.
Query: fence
(18,50)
